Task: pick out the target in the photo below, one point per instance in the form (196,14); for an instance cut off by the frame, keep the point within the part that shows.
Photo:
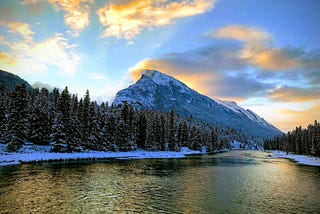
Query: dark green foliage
(18,117)
(67,124)
(142,128)
(299,141)
(172,133)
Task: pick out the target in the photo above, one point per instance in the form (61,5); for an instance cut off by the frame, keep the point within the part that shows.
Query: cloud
(257,48)
(242,33)
(214,71)
(98,76)
(6,59)
(127,20)
(242,70)
(27,56)
(290,117)
(20,28)
(294,94)
(76,15)
(41,85)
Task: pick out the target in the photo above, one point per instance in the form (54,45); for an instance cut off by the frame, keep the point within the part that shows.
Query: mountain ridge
(9,81)
(160,92)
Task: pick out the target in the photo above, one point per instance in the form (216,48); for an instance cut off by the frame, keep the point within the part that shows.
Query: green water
(233,182)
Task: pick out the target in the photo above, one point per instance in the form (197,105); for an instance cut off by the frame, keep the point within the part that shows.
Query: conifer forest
(304,141)
(71,124)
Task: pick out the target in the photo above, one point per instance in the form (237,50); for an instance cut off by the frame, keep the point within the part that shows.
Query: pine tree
(196,142)
(84,117)
(163,134)
(142,128)
(39,121)
(58,136)
(18,117)
(172,131)
(3,114)
(122,139)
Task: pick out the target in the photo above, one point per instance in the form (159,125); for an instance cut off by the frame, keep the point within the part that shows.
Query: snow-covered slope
(160,92)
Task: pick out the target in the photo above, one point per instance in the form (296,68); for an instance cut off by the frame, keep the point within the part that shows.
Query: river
(232,182)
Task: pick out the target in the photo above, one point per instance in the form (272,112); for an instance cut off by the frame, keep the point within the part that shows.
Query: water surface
(233,182)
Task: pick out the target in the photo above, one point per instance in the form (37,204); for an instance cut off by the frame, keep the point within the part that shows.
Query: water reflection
(234,182)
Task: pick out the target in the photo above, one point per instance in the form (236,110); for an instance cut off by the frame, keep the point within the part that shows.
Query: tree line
(68,124)
(305,141)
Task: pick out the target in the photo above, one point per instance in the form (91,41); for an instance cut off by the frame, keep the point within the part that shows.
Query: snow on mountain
(160,92)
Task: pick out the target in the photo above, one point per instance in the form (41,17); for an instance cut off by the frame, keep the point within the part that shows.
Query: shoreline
(39,155)
(300,159)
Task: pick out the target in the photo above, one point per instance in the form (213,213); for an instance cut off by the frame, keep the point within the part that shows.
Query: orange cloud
(129,19)
(76,12)
(194,80)
(6,59)
(20,28)
(242,33)
(291,94)
(257,50)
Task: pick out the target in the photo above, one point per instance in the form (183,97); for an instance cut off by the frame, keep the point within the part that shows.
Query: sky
(265,54)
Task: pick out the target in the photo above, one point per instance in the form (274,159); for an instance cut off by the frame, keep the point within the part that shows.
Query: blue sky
(263,54)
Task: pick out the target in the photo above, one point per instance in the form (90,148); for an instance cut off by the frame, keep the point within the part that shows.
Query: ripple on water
(233,182)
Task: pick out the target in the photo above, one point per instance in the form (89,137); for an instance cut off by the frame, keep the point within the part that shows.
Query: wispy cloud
(214,71)
(295,94)
(257,48)
(98,76)
(242,70)
(32,57)
(129,19)
(76,15)
(20,28)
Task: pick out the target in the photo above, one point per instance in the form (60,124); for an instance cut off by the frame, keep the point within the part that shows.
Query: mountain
(160,92)
(10,81)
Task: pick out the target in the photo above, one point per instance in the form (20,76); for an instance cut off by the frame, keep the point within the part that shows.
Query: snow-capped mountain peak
(160,92)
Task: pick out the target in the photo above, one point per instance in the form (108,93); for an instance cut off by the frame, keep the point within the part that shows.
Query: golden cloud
(6,59)
(129,19)
(192,79)
(257,49)
(242,33)
(76,12)
(20,28)
(54,51)
(291,94)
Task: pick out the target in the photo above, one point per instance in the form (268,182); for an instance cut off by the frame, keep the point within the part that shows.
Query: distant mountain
(160,92)
(10,81)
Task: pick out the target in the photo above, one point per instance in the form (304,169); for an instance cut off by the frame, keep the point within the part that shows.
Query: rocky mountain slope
(160,92)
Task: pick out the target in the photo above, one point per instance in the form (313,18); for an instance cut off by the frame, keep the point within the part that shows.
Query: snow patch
(41,153)
(301,159)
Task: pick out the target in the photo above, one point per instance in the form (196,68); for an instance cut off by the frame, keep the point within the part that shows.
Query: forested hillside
(299,141)
(69,124)
(9,81)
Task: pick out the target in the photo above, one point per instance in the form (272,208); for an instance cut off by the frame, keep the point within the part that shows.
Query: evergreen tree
(172,131)
(3,114)
(58,136)
(142,128)
(18,117)
(39,121)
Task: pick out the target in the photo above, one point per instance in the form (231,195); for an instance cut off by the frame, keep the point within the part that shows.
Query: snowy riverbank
(41,153)
(302,159)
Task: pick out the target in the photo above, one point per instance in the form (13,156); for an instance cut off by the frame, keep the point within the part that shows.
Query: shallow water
(233,182)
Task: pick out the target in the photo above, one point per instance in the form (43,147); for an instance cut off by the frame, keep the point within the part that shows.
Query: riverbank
(301,159)
(32,154)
